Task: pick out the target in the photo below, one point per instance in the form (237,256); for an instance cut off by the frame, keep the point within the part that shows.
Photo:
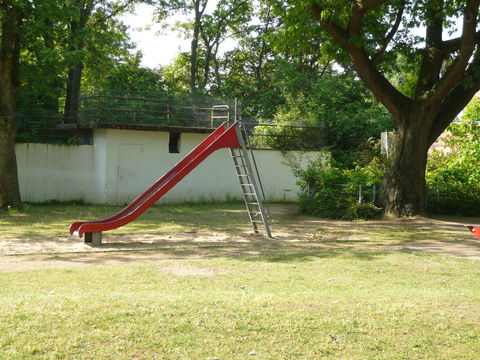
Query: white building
(121,164)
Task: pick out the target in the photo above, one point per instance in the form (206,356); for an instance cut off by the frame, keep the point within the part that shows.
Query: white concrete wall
(123,163)
(55,172)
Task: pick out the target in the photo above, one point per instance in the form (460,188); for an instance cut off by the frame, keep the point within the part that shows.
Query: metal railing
(162,112)
(128,110)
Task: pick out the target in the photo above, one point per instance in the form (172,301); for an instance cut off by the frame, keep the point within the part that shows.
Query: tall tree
(82,10)
(374,34)
(207,31)
(225,21)
(88,16)
(11,19)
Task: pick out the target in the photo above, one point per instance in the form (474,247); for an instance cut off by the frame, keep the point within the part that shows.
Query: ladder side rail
(241,176)
(253,180)
(257,173)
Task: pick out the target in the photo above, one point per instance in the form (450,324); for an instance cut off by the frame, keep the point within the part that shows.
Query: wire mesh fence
(144,112)
(52,129)
(359,193)
(186,111)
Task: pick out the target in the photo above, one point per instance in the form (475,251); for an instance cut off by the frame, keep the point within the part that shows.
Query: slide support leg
(93,238)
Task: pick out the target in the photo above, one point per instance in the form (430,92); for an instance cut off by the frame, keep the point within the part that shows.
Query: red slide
(475,230)
(222,137)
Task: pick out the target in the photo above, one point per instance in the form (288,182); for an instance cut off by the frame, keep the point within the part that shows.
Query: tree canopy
(382,39)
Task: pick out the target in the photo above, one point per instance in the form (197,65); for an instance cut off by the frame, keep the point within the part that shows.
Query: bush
(453,192)
(321,194)
(328,191)
(361,211)
(454,176)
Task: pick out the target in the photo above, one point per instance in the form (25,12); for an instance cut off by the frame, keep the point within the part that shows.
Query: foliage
(329,191)
(341,113)
(294,129)
(208,30)
(126,77)
(361,211)
(47,54)
(454,173)
(423,78)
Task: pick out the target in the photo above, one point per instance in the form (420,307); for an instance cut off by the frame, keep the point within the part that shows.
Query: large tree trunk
(9,63)
(193,61)
(404,189)
(74,81)
(9,189)
(72,98)
(199,9)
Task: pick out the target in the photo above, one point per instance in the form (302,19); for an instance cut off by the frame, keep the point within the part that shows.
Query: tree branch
(377,57)
(452,45)
(370,4)
(203,7)
(384,91)
(119,9)
(467,46)
(432,58)
(457,99)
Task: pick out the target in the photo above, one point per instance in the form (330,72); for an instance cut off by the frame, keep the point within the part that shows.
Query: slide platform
(223,137)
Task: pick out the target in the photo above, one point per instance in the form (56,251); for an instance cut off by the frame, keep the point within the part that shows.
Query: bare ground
(293,233)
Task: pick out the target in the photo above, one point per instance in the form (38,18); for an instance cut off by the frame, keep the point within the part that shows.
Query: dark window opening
(174,143)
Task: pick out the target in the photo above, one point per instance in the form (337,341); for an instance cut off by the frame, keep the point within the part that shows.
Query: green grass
(320,292)
(54,220)
(332,304)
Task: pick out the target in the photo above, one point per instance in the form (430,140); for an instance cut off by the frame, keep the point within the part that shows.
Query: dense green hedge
(331,192)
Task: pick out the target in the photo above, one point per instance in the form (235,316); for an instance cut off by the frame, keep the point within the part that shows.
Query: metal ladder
(250,183)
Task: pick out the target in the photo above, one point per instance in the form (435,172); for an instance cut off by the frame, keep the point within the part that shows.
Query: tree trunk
(51,100)
(193,58)
(9,189)
(199,9)
(403,190)
(74,81)
(72,98)
(9,63)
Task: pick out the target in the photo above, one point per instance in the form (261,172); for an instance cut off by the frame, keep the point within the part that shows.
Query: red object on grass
(475,230)
(222,137)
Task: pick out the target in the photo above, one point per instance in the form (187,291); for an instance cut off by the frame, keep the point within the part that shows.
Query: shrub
(454,176)
(361,211)
(331,192)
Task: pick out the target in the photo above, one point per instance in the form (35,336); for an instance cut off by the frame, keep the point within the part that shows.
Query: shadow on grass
(279,253)
(294,256)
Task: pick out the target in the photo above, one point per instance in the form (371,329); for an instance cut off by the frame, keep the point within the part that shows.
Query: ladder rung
(249,194)
(252,203)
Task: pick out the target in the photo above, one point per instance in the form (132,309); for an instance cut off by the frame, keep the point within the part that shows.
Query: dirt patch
(292,233)
(467,249)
